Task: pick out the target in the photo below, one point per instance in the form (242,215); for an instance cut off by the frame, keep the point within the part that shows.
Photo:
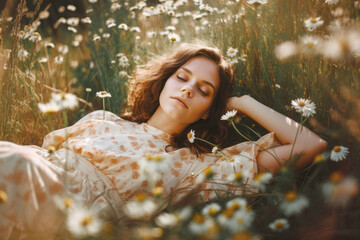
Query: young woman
(105,163)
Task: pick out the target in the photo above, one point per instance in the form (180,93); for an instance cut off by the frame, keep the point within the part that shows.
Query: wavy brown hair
(149,80)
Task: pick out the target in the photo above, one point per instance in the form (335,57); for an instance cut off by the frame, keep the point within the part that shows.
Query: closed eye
(182,79)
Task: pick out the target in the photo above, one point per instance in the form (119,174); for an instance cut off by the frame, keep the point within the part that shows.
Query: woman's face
(190,91)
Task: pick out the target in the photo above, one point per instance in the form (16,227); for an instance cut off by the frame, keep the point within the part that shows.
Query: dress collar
(157,132)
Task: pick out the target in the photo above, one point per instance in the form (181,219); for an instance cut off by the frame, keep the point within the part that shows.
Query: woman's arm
(307,143)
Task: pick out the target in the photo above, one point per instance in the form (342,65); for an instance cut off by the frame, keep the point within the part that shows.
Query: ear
(205,116)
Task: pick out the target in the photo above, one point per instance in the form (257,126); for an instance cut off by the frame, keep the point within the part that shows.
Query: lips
(181,101)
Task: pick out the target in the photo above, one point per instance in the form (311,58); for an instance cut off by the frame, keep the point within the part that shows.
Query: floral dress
(99,162)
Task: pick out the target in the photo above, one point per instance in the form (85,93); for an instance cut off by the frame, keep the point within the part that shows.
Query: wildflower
(49,108)
(332,2)
(124,61)
(86,20)
(261,179)
(141,207)
(313,23)
(71,8)
(150,34)
(231,52)
(277,86)
(236,176)
(49,44)
(59,60)
(319,158)
(293,203)
(135,29)
(72,29)
(96,37)
(256,2)
(279,225)
(285,50)
(173,37)
(88,89)
(241,220)
(123,26)
(237,204)
(103,94)
(200,224)
(51,149)
(115,6)
(123,74)
(23,54)
(83,222)
(93,1)
(158,192)
(304,106)
(35,37)
(106,35)
(166,220)
(309,45)
(170,28)
(191,136)
(211,210)
(64,203)
(63,49)
(339,189)
(229,115)
(214,150)
(3,196)
(110,22)
(339,153)
(43,60)
(65,100)
(73,21)
(152,167)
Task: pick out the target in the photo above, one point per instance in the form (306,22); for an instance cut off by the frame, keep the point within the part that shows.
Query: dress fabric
(97,162)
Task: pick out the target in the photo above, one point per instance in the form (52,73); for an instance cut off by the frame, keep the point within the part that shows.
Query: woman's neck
(162,121)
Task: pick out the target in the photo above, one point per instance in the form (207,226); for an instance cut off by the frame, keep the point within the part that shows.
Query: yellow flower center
(208,171)
(248,208)
(301,104)
(3,196)
(235,206)
(336,177)
(244,235)
(158,158)
(228,213)
(231,50)
(258,177)
(279,225)
(222,158)
(213,211)
(337,149)
(141,197)
(198,218)
(231,159)
(108,228)
(240,221)
(68,202)
(310,44)
(152,7)
(103,92)
(173,39)
(86,221)
(149,158)
(63,96)
(158,191)
(313,20)
(238,176)
(189,135)
(290,196)
(319,158)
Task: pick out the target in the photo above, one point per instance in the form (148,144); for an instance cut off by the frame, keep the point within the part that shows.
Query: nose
(187,91)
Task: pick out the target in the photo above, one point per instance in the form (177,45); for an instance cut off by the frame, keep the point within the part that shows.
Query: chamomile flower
(229,115)
(83,222)
(59,59)
(279,225)
(214,150)
(332,2)
(241,220)
(64,203)
(141,207)
(313,23)
(191,136)
(166,220)
(123,26)
(200,224)
(237,204)
(261,179)
(309,45)
(206,174)
(340,189)
(285,50)
(304,106)
(65,100)
(257,2)
(211,210)
(339,153)
(103,94)
(231,52)
(173,37)
(293,203)
(49,108)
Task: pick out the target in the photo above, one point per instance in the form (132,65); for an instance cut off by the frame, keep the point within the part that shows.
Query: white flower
(237,204)
(231,52)
(211,209)
(49,108)
(200,224)
(240,221)
(293,203)
(170,28)
(166,220)
(49,44)
(110,22)
(71,8)
(88,89)
(214,150)
(256,1)
(279,225)
(229,115)
(141,207)
(43,60)
(65,100)
(339,189)
(73,21)
(124,61)
(261,179)
(285,50)
(59,59)
(309,45)
(115,6)
(23,54)
(313,23)
(191,136)
(304,106)
(332,2)
(64,203)
(44,14)
(153,167)
(135,29)
(83,222)
(173,37)
(103,94)
(123,26)
(339,153)
(207,173)
(86,20)
(35,37)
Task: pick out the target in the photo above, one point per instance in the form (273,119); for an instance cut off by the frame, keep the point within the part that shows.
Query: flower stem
(104,108)
(233,124)
(65,118)
(51,122)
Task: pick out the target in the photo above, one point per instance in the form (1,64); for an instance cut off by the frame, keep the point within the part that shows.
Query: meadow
(284,53)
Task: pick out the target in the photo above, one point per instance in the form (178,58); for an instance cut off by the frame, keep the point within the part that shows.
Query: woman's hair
(148,81)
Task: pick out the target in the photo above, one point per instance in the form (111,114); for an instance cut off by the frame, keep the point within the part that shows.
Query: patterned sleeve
(58,137)
(239,159)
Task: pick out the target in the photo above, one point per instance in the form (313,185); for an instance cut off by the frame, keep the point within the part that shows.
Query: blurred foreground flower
(257,2)
(236,220)
(200,224)
(313,23)
(285,50)
(3,196)
(142,207)
(293,203)
(166,220)
(49,108)
(332,2)
(65,100)
(339,189)
(261,179)
(279,225)
(211,209)
(304,106)
(339,153)
(83,222)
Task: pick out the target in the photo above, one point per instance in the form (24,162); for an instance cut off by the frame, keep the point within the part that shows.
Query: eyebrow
(203,81)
